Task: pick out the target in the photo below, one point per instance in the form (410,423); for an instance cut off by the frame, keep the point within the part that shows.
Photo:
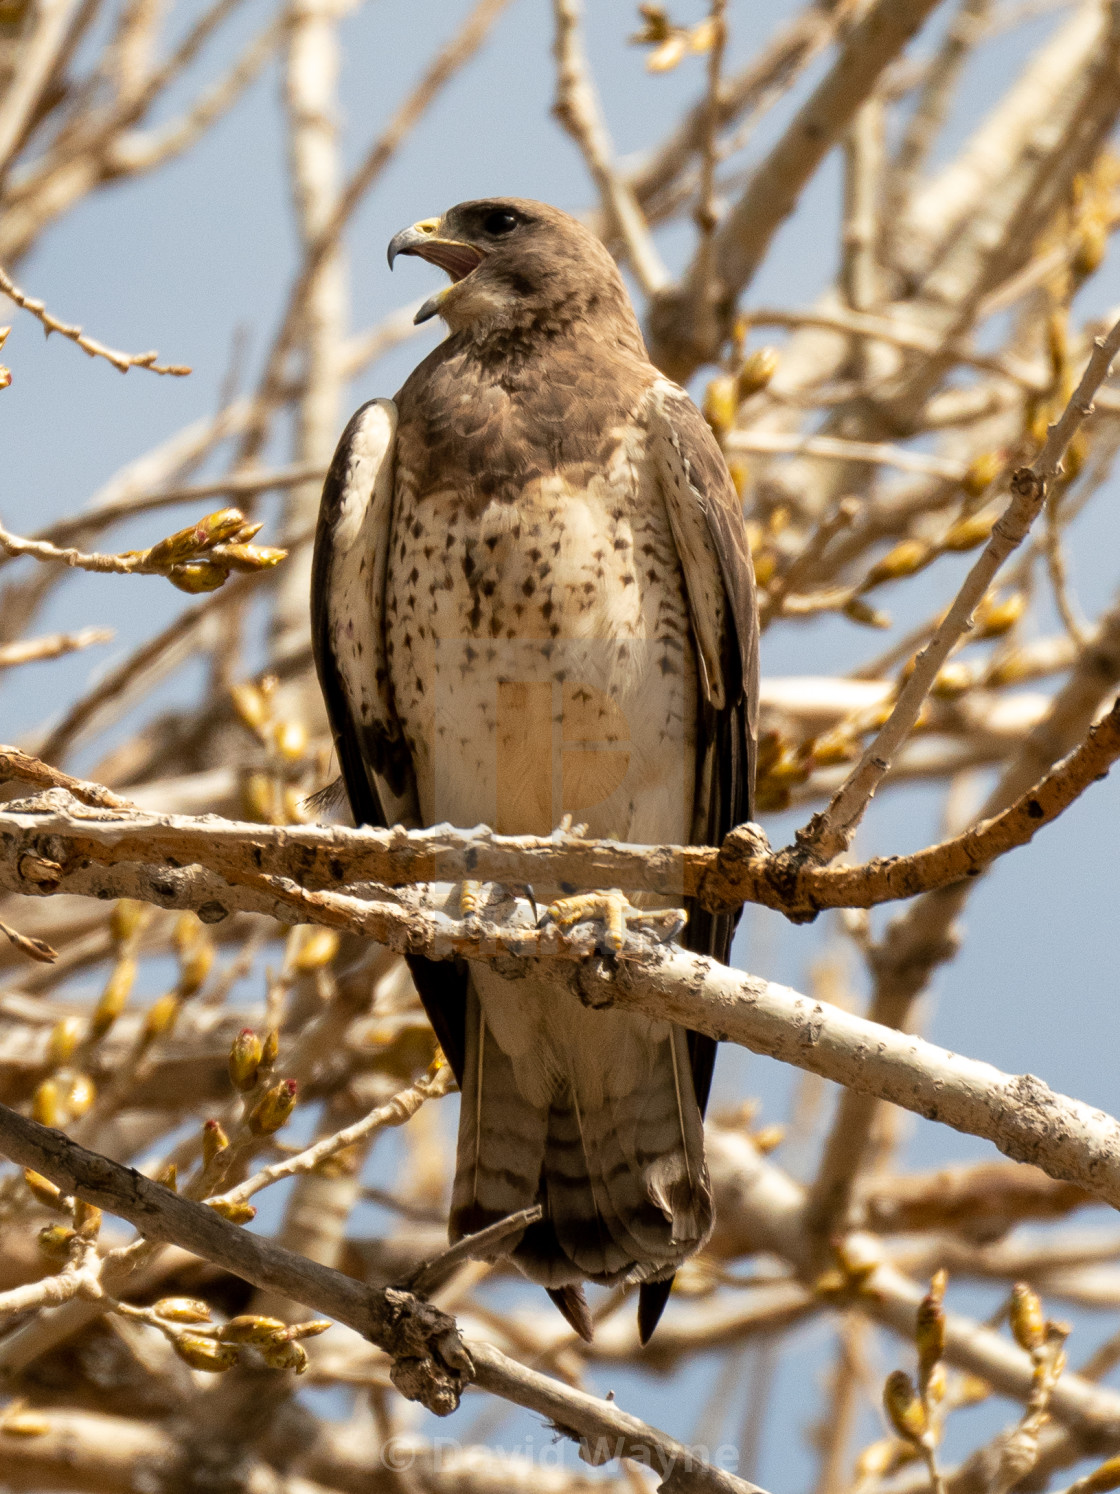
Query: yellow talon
(617,914)
(470,896)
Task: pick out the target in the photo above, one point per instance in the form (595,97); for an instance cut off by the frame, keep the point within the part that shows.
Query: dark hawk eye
(499,223)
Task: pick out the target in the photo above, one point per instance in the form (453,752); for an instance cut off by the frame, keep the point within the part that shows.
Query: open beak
(424,241)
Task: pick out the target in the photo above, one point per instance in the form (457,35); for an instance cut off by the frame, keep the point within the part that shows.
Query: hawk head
(517,265)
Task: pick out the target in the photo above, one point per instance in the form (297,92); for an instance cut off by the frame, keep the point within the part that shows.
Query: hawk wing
(348,641)
(711,538)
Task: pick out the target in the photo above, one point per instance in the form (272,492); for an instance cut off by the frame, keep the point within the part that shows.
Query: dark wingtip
(573,1304)
(652,1297)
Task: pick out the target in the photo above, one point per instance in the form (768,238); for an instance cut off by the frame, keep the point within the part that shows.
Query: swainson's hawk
(533,595)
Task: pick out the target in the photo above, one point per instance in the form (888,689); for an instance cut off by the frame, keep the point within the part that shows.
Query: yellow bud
(317,949)
(967,533)
(952,680)
(244,1060)
(765,565)
(294,803)
(55,1241)
(906,559)
(250,557)
(271,1051)
(1102,1479)
(43,1189)
(702,37)
(310,1329)
(258,796)
(740,476)
(186,930)
(247,531)
(768,1139)
(833,748)
(1074,459)
(176,547)
(127,919)
(291,739)
(182,1310)
(169,1177)
(80,1095)
(23,1423)
(196,576)
(5,376)
(251,1329)
(250,705)
(937,1383)
(204,1353)
(882,1457)
(273,1109)
(161,1016)
(1091,248)
(994,618)
(218,527)
(87,1219)
(194,967)
(720,404)
(665,57)
(929,1335)
(63,1041)
(1028,1323)
(285,1356)
(904,1409)
(982,472)
(859,611)
(1013,669)
(214,1140)
(236,1213)
(46,1104)
(758,369)
(113,998)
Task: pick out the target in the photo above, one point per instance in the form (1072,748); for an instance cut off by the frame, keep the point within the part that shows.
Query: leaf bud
(274,1108)
(113,998)
(87,1219)
(271,1051)
(43,1189)
(284,1356)
(194,967)
(236,1213)
(197,576)
(204,1353)
(182,1310)
(250,557)
(665,57)
(249,704)
(929,1335)
(244,1060)
(720,404)
(218,527)
(15,1423)
(214,1140)
(904,1408)
(258,798)
(859,611)
(1028,1323)
(80,1095)
(63,1041)
(46,1104)
(291,739)
(318,948)
(1091,247)
(127,919)
(311,1329)
(161,1016)
(982,471)
(968,532)
(952,680)
(55,1241)
(176,547)
(758,369)
(249,1328)
(169,1177)
(907,558)
(1102,1479)
(994,618)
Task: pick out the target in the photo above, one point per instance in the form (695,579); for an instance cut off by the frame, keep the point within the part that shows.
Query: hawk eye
(499,223)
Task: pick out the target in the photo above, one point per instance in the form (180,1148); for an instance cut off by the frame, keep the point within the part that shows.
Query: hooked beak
(452,255)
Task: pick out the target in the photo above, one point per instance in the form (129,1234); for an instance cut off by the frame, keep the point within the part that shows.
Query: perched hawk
(533,595)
